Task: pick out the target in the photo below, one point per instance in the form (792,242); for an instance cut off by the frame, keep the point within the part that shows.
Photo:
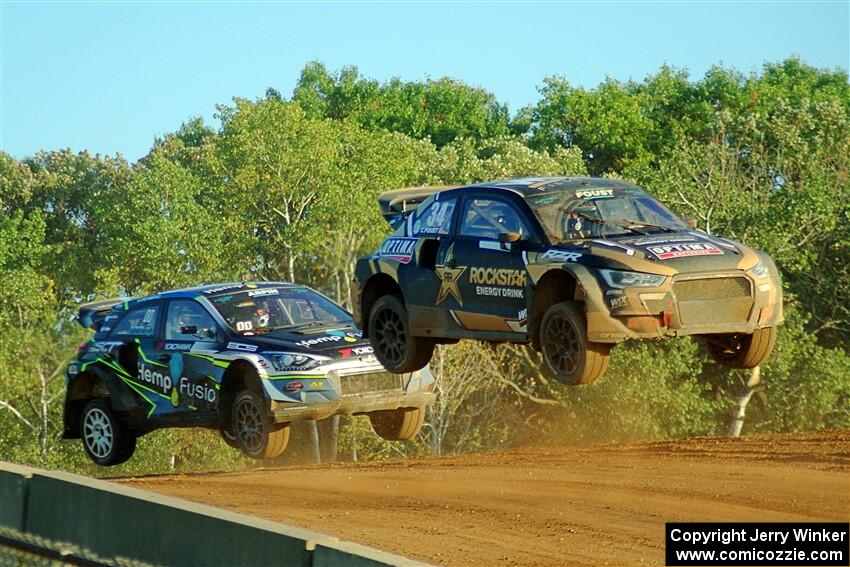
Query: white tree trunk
(737,423)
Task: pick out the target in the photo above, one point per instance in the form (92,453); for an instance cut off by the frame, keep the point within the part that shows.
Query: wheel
(397,425)
(742,351)
(255,433)
(394,346)
(106,440)
(567,354)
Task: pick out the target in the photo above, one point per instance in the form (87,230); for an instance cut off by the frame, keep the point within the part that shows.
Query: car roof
(526,186)
(209,290)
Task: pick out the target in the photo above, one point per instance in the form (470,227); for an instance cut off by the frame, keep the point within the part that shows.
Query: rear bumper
(284,412)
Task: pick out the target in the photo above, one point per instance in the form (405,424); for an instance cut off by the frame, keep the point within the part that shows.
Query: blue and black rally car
(247,359)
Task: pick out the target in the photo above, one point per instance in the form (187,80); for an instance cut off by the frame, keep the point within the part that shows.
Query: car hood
(338,342)
(682,251)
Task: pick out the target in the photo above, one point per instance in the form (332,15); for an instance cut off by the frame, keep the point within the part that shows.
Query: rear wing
(91,315)
(397,204)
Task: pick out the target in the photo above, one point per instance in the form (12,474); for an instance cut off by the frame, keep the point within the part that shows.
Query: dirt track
(593,505)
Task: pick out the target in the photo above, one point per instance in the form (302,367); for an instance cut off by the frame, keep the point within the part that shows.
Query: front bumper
(283,412)
(688,304)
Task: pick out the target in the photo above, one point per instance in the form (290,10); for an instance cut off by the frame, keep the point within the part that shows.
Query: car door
(424,281)
(493,284)
(189,326)
(141,370)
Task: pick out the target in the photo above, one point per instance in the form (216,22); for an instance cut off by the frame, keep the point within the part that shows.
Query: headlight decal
(622,279)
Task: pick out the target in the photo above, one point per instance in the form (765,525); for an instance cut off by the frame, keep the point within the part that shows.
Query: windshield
(270,309)
(570,214)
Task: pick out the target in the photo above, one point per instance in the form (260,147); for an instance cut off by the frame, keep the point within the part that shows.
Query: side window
(188,320)
(487,218)
(138,322)
(435,219)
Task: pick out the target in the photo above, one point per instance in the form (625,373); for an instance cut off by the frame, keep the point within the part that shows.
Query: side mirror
(691,222)
(506,237)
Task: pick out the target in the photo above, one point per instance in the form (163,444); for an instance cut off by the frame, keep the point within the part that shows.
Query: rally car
(247,359)
(572,265)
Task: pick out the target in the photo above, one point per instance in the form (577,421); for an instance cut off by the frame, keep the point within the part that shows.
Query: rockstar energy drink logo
(492,276)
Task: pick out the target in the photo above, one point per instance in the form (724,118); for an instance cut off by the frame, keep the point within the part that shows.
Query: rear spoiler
(91,315)
(397,204)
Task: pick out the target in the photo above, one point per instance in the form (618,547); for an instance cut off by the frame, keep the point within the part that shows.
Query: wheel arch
(376,287)
(81,389)
(553,287)
(240,375)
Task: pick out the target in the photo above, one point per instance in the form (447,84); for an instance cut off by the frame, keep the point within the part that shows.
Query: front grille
(714,301)
(353,384)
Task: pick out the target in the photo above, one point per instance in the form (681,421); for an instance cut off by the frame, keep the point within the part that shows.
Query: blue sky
(110,76)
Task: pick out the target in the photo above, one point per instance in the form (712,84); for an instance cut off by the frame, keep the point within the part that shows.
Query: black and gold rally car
(572,265)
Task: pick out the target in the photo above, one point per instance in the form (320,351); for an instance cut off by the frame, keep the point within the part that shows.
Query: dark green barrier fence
(117,521)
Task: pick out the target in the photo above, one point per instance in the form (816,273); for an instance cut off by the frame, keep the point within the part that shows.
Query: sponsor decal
(261,292)
(222,288)
(294,386)
(448,283)
(595,193)
(507,292)
(347,336)
(398,249)
(178,346)
(357,351)
(617,302)
(307,343)
(104,347)
(684,250)
(200,391)
(242,346)
(317,384)
(560,256)
(154,378)
(493,276)
(522,315)
(510,282)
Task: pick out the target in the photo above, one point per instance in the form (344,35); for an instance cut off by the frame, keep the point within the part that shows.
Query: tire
(397,425)
(742,351)
(228,437)
(394,346)
(255,433)
(568,356)
(105,438)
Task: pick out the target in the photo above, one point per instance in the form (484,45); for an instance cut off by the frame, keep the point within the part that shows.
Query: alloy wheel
(562,345)
(249,425)
(98,433)
(390,336)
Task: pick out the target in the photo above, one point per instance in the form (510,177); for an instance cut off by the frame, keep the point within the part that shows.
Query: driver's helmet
(262,314)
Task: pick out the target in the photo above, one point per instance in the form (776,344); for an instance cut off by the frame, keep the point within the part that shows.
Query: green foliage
(440,110)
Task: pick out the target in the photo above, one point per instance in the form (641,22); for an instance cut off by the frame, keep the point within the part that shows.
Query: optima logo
(158,379)
(398,249)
